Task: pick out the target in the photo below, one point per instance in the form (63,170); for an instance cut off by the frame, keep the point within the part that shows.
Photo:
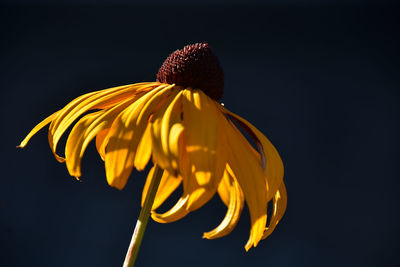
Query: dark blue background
(320,80)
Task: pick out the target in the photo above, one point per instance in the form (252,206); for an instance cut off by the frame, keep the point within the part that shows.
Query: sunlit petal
(143,151)
(171,129)
(224,189)
(37,128)
(200,136)
(175,213)
(168,185)
(279,208)
(161,124)
(95,100)
(235,207)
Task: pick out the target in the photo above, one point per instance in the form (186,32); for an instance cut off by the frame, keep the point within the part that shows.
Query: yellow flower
(177,122)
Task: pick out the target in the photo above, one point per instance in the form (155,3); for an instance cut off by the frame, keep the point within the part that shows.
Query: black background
(320,80)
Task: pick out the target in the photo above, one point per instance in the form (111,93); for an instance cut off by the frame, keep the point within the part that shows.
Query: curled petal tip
(250,244)
(155,216)
(207,236)
(59,159)
(118,187)
(247,247)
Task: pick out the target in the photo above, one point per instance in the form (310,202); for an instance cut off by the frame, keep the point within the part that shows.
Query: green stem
(143,218)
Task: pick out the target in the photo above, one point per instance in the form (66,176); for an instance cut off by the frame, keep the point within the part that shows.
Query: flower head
(177,122)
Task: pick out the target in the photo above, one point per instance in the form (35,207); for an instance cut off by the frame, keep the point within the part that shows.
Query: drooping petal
(85,130)
(125,134)
(279,208)
(56,130)
(175,213)
(100,137)
(36,129)
(198,191)
(177,145)
(94,100)
(224,189)
(171,130)
(273,163)
(174,144)
(75,143)
(249,173)
(168,185)
(235,207)
(178,211)
(143,152)
(131,90)
(163,136)
(200,136)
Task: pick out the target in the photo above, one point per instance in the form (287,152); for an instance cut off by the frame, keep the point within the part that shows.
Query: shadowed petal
(85,130)
(273,163)
(246,167)
(100,137)
(125,134)
(75,146)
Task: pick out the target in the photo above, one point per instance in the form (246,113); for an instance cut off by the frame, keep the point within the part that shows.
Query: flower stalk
(144,215)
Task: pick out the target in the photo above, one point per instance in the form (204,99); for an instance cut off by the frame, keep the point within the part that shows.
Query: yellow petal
(247,169)
(100,137)
(56,130)
(143,151)
(94,100)
(131,90)
(125,134)
(200,134)
(161,124)
(171,129)
(85,130)
(224,189)
(168,185)
(273,162)
(175,213)
(174,143)
(279,208)
(36,129)
(235,207)
(75,147)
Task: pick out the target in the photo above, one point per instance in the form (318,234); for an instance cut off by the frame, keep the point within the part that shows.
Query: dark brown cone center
(194,66)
